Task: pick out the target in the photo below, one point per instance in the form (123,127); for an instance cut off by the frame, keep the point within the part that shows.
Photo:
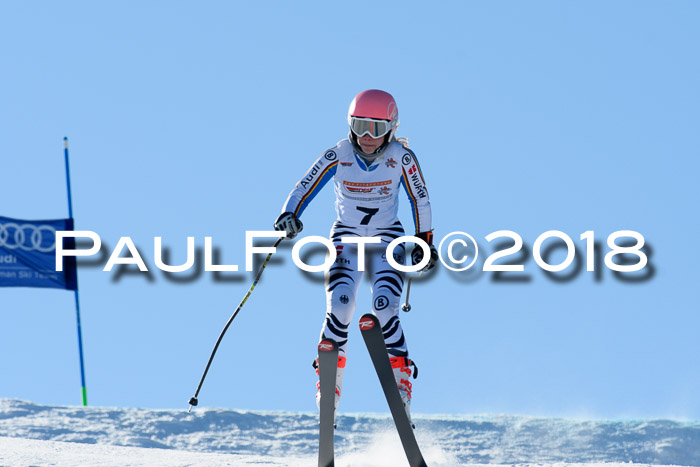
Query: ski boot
(402,373)
(338,382)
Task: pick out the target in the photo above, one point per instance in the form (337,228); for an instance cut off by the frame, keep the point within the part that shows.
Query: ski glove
(288,222)
(417,253)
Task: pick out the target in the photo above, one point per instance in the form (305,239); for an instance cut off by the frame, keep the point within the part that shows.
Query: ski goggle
(375,128)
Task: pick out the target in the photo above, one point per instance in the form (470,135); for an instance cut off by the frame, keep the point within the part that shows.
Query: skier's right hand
(288,222)
(417,253)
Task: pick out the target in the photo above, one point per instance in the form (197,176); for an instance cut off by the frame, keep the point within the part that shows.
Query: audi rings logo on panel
(28,237)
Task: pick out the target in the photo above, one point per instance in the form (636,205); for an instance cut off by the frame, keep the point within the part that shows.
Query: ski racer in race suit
(368,170)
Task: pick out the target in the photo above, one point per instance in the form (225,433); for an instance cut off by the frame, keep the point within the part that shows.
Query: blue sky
(196,120)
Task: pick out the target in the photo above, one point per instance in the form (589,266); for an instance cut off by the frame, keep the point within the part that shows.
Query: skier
(367,168)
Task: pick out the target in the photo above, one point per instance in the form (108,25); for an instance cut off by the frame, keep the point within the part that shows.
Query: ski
(374,339)
(327,368)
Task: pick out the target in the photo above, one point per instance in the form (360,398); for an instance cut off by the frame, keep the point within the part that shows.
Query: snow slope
(32,434)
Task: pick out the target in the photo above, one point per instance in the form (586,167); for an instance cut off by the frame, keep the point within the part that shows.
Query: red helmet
(374,112)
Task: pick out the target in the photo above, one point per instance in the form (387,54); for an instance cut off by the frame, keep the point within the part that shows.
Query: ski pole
(193,400)
(407,306)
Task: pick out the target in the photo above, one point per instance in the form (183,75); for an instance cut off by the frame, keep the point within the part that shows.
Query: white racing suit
(367,205)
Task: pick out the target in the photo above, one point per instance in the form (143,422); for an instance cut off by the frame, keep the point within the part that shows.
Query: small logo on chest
(390,163)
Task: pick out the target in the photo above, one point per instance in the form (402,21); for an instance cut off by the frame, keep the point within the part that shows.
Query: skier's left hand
(417,253)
